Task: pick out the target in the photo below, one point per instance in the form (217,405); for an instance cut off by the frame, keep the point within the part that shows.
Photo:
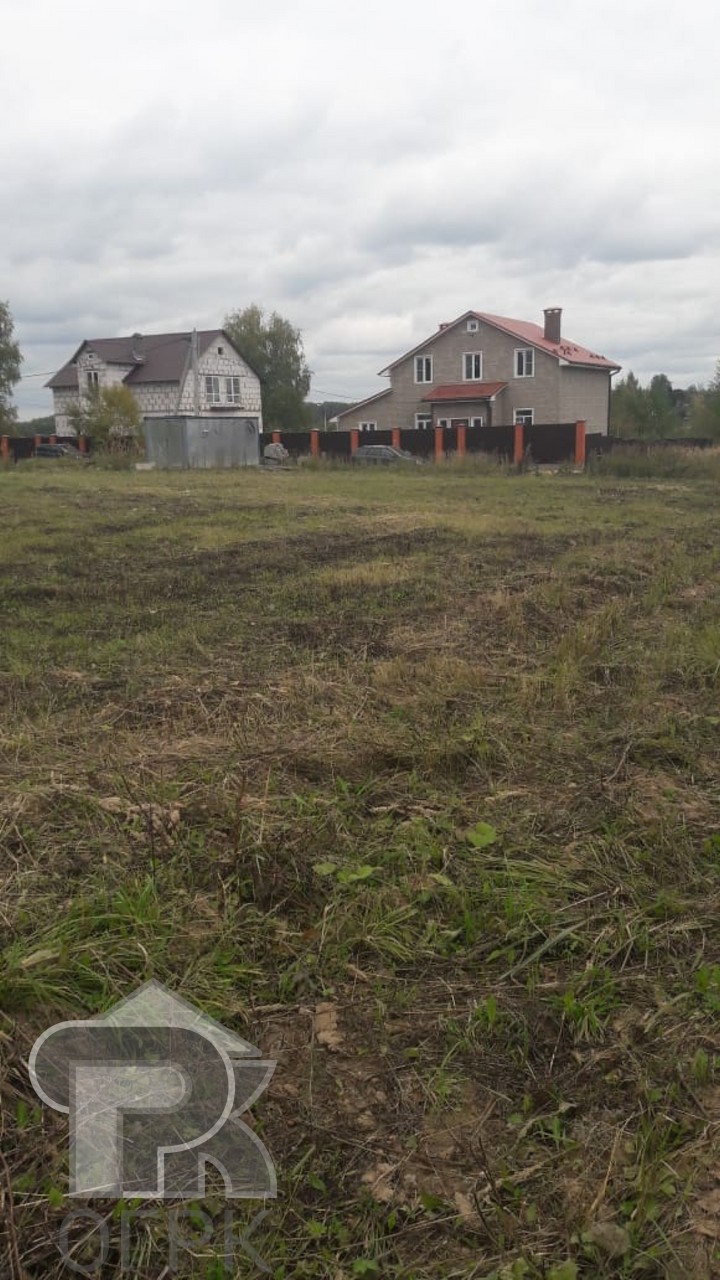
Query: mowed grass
(411,779)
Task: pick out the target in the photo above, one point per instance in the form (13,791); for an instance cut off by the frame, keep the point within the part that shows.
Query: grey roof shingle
(152,357)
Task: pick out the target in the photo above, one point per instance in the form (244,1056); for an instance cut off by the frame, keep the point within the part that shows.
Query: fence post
(354,439)
(461,441)
(580,428)
(82,444)
(277,437)
(315,442)
(53,439)
(519,444)
(37,440)
(5,448)
(396,437)
(439,444)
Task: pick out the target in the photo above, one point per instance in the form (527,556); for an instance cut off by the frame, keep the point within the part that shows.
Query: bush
(663,461)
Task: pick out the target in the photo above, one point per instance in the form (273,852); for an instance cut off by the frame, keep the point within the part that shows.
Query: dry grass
(438,750)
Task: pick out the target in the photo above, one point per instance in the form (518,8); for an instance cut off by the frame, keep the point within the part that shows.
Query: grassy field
(412,780)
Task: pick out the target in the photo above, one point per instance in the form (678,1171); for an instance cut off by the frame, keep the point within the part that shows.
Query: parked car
(383,454)
(59,451)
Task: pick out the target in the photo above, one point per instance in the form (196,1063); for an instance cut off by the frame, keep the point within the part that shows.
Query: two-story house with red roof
(488,370)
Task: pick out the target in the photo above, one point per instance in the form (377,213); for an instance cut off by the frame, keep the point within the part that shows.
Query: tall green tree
(629,408)
(274,349)
(705,409)
(10,363)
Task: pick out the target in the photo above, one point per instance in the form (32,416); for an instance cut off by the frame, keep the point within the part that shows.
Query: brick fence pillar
(82,444)
(354,439)
(37,441)
(4,448)
(461,441)
(580,428)
(396,437)
(439,444)
(53,439)
(518,444)
(277,437)
(315,442)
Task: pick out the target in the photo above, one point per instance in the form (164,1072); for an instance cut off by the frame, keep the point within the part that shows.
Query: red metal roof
(465,391)
(524,332)
(533,334)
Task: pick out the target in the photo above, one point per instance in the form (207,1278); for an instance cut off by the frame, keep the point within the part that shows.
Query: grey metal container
(220,441)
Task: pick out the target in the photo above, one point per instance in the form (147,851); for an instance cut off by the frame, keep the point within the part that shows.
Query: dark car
(59,451)
(383,454)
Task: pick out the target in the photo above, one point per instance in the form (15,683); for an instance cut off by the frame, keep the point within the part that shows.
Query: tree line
(661,410)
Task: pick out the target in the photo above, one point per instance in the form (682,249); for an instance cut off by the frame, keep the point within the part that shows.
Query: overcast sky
(366,169)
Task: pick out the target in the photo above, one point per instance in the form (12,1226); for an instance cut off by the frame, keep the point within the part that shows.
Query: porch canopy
(456,399)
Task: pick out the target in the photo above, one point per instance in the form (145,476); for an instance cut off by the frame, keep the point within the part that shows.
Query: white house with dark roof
(196,374)
(488,370)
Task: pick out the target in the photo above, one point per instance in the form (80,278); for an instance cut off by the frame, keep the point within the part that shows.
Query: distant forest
(663,410)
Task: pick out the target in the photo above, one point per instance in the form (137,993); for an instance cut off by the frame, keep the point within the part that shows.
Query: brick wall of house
(222,360)
(554,393)
(585,393)
(447,348)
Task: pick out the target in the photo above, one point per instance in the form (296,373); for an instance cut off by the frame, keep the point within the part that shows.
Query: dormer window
(423,368)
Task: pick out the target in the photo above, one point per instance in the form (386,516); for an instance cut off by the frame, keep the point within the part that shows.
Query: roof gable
(524,332)
(154,357)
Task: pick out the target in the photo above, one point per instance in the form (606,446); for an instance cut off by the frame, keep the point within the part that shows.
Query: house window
(232,390)
(422,420)
(423,368)
(473,326)
(472,366)
(212,389)
(524,417)
(477,422)
(93,379)
(367,426)
(220,350)
(443,422)
(524,362)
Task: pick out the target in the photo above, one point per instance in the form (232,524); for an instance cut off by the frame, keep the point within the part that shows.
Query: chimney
(553,316)
(136,352)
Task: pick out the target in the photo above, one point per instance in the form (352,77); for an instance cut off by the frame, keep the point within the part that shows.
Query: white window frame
(212,388)
(233,389)
(422,420)
(473,326)
(521,362)
(443,422)
(476,359)
(367,426)
(423,368)
(477,422)
(525,416)
(93,379)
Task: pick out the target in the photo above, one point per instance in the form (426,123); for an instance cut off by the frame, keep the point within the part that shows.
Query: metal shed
(221,441)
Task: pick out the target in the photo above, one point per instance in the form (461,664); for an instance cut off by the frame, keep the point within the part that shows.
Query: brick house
(487,370)
(197,374)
